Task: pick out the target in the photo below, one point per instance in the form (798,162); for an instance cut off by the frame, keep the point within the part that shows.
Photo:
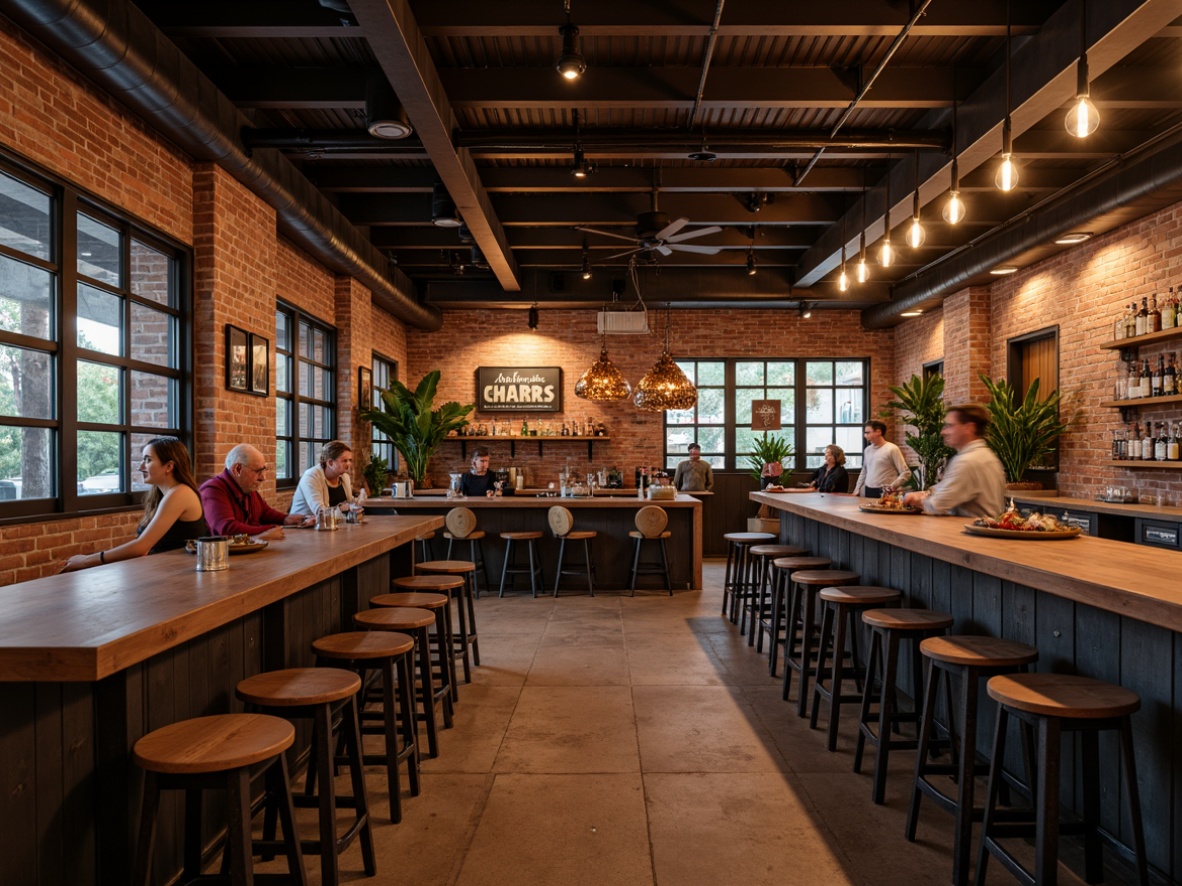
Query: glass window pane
(153,400)
(787,398)
(100,255)
(712,441)
(850,439)
(282,460)
(324,429)
(100,320)
(25,223)
(680,416)
(283,418)
(323,389)
(305,420)
(305,370)
(135,456)
(282,374)
(781,373)
(319,347)
(305,347)
(282,331)
(818,438)
(711,406)
(98,392)
(749,374)
(677,439)
(690,368)
(99,462)
(743,398)
(849,372)
(26,383)
(26,299)
(151,274)
(307,457)
(26,465)
(819,406)
(711,374)
(153,336)
(849,405)
(818,372)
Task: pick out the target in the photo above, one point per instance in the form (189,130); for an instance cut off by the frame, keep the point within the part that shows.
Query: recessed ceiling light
(911,314)
(1073,238)
(1002,272)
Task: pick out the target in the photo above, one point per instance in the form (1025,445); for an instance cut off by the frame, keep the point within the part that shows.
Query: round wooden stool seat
(412,600)
(460,522)
(636,533)
(779,551)
(427,583)
(213,744)
(521,536)
(448,567)
(860,595)
(978,652)
(393,619)
(907,619)
(471,536)
(749,538)
(363,645)
(801,562)
(823,577)
(580,534)
(295,687)
(1063,695)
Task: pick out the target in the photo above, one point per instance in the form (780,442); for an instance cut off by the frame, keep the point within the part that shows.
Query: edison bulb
(954,209)
(843,281)
(886,254)
(915,234)
(861,271)
(1007,174)
(1082,118)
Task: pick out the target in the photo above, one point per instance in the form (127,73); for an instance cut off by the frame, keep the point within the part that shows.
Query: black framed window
(94,344)
(384,372)
(305,391)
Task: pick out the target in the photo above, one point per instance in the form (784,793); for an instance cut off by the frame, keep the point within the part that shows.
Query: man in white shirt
(974,483)
(882,463)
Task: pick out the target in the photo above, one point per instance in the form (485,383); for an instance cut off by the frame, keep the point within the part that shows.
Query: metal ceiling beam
(394,38)
(259,19)
(401,238)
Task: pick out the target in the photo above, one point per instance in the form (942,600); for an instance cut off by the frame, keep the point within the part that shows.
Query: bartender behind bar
(693,474)
(478,482)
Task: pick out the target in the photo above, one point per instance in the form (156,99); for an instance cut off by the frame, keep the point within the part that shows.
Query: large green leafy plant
(766,450)
(1022,432)
(919,403)
(412,423)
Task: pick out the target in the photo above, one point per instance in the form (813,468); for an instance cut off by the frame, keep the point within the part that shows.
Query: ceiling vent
(623,322)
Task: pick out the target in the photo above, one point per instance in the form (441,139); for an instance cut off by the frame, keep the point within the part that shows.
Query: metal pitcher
(213,553)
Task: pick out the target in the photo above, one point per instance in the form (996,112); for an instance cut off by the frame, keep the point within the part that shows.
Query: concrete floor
(617,741)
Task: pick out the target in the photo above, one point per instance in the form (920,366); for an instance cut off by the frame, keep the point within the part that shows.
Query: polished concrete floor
(617,741)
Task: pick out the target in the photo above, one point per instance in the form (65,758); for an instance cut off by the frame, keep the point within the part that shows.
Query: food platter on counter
(1023,534)
(876,508)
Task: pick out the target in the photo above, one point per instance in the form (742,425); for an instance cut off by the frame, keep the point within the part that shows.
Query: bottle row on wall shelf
(1156,390)
(513,441)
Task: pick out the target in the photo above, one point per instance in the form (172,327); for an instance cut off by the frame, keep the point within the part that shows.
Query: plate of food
(1024,527)
(889,503)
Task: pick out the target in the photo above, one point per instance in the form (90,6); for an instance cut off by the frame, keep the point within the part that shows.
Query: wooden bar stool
(461,527)
(438,604)
(802,611)
(650,526)
(562,524)
(391,656)
(782,569)
(841,608)
(416,623)
(970,659)
(736,578)
(468,642)
(423,542)
(762,556)
(320,694)
(226,752)
(1053,704)
(888,628)
(534,569)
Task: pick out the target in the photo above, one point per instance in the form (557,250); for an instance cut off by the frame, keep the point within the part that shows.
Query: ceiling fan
(656,233)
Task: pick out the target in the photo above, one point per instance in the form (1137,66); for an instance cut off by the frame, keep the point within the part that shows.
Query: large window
(384,372)
(822,401)
(305,391)
(93,345)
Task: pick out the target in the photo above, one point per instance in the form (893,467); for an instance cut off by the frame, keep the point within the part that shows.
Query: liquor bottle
(1142,316)
(524,428)
(1169,382)
(1147,443)
(1172,447)
(1161,444)
(1153,323)
(1134,380)
(1146,379)
(1131,321)
(565,432)
(1156,381)
(1169,311)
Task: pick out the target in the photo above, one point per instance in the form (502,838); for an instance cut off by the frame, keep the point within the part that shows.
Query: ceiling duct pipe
(1138,185)
(121,51)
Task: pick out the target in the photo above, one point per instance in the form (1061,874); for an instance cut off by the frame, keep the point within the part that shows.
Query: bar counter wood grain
(84,626)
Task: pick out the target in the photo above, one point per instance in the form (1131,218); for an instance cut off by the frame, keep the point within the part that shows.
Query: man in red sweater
(232,502)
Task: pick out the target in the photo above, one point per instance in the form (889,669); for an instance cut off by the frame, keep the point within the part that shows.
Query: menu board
(519,389)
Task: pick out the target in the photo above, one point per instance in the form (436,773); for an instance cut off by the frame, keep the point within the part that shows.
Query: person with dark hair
(478,481)
(693,474)
(233,505)
(326,484)
(974,483)
(883,464)
(831,476)
(172,507)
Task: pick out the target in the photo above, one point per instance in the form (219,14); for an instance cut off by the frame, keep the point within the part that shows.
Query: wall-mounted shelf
(1144,401)
(1143,465)
(1128,346)
(513,441)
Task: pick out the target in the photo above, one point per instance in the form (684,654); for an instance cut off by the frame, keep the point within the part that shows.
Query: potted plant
(1022,432)
(920,402)
(413,425)
(375,474)
(767,451)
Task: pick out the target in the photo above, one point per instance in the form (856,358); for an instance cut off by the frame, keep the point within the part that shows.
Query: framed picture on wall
(364,387)
(260,365)
(237,362)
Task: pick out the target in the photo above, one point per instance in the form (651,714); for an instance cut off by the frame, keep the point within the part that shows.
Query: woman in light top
(326,484)
(831,476)
(172,507)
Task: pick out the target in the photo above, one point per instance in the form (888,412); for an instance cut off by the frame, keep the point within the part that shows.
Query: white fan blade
(672,228)
(696,232)
(663,249)
(620,254)
(701,250)
(606,234)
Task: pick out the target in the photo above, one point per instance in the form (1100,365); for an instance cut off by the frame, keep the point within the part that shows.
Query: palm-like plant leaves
(413,426)
(921,404)
(1022,433)
(765,451)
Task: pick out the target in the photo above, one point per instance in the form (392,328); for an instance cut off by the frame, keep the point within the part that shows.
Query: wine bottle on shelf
(1134,380)
(1147,443)
(1169,311)
(1146,379)
(1142,316)
(1172,447)
(1169,381)
(1131,321)
(1158,378)
(1153,323)
(1161,444)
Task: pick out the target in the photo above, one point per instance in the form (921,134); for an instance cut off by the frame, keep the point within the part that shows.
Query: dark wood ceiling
(763,86)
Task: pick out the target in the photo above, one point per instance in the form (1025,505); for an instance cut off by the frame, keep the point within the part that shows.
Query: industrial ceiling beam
(401,238)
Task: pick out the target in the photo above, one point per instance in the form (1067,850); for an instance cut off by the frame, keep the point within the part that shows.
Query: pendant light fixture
(571,64)
(862,270)
(1007,171)
(886,254)
(533,317)
(665,386)
(915,233)
(602,381)
(580,168)
(843,279)
(585,270)
(954,209)
(1082,119)
(752,270)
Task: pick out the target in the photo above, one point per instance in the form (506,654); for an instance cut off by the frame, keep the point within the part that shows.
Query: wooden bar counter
(1101,608)
(611,516)
(92,660)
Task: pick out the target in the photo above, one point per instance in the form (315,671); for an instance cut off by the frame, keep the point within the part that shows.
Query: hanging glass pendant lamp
(665,386)
(1083,119)
(1006,178)
(602,381)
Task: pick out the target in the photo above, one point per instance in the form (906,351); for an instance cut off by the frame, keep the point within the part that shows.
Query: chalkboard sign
(519,389)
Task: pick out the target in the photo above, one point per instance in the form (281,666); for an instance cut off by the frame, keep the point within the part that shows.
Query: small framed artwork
(237,363)
(364,387)
(260,365)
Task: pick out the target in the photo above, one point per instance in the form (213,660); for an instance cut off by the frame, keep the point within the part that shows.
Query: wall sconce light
(571,64)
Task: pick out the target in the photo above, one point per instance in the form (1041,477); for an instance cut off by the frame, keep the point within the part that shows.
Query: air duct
(120,49)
